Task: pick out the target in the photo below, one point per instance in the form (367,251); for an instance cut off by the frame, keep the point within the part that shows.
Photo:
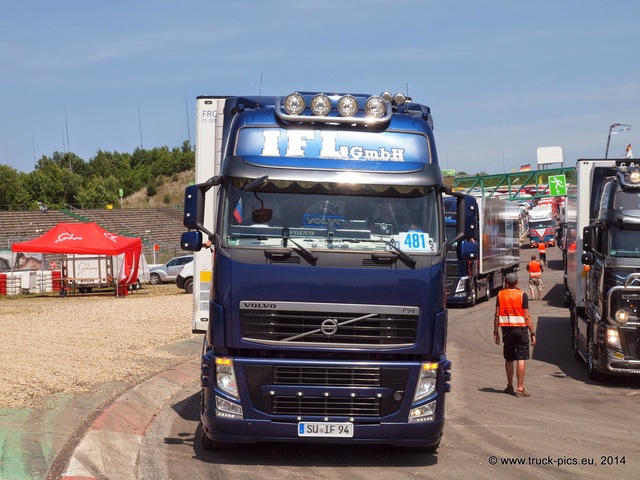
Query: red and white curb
(109,448)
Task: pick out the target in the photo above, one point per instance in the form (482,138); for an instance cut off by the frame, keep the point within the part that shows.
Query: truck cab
(607,328)
(327,317)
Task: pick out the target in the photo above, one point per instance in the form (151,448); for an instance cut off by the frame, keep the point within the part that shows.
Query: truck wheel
(154,279)
(188,285)
(209,444)
(594,373)
(432,448)
(474,295)
(490,288)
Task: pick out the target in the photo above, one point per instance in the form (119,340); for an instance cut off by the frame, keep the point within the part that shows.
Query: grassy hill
(170,192)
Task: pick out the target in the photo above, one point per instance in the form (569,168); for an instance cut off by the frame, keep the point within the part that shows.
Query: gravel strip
(51,345)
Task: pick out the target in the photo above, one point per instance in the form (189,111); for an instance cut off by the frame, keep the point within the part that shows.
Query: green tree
(12,192)
(52,184)
(98,192)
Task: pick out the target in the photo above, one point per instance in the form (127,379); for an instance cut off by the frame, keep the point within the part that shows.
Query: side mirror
(588,258)
(193,203)
(467,250)
(191,241)
(467,218)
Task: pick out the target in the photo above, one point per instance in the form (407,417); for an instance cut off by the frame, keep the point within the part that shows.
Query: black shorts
(516,344)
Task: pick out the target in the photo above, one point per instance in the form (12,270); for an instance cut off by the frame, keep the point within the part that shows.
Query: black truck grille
(383,327)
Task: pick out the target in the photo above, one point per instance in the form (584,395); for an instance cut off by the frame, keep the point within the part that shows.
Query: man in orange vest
(535,277)
(542,251)
(513,318)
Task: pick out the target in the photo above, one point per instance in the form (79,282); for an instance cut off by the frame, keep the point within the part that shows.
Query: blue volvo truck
(327,319)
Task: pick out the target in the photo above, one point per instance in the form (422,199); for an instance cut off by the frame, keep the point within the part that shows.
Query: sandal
(522,393)
(509,390)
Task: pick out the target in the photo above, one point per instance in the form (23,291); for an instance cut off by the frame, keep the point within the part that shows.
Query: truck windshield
(625,243)
(536,224)
(332,216)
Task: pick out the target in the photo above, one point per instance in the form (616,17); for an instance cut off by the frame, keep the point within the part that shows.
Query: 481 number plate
(325,429)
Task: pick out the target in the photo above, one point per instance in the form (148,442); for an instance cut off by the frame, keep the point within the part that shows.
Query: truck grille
(338,325)
(338,376)
(327,406)
(350,391)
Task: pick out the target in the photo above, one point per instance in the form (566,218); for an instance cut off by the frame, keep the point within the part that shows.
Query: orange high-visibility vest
(542,248)
(510,311)
(535,270)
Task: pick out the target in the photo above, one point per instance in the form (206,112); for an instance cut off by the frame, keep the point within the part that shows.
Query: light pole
(620,127)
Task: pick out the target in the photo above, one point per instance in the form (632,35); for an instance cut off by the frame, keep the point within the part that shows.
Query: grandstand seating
(162,226)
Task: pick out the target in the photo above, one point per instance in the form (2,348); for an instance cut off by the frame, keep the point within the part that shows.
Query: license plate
(325,429)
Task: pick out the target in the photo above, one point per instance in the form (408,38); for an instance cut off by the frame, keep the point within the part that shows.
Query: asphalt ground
(37,443)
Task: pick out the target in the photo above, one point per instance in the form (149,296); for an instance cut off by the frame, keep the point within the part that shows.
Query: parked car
(169,271)
(185,278)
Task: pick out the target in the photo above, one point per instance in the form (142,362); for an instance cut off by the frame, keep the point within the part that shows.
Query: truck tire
(594,373)
(432,448)
(188,285)
(209,444)
(474,294)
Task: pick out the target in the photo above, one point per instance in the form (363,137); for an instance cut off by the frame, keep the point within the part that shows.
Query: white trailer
(578,213)
(498,237)
(86,272)
(209,126)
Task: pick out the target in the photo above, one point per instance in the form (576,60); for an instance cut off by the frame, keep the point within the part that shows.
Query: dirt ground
(51,345)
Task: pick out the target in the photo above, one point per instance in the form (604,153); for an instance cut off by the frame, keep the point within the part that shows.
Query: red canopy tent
(88,238)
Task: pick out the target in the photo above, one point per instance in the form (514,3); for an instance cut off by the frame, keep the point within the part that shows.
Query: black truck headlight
(613,338)
(621,316)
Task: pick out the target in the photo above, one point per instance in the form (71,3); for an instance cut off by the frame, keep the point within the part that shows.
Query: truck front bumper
(252,431)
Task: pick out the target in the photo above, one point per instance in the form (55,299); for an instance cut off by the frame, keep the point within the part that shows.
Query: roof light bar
(320,107)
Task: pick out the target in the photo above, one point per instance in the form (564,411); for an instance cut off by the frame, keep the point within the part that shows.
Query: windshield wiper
(308,253)
(402,254)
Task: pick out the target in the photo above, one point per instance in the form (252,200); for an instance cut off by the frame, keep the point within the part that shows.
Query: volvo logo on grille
(260,306)
(329,326)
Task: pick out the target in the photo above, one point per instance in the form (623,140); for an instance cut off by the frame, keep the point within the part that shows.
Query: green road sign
(557,185)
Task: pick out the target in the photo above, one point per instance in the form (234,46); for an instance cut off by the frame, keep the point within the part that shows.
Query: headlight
(294,104)
(634,177)
(320,105)
(427,381)
(226,377)
(622,316)
(348,106)
(424,413)
(228,409)
(375,107)
(613,338)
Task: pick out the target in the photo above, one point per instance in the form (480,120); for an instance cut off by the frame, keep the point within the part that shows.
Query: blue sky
(502,77)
